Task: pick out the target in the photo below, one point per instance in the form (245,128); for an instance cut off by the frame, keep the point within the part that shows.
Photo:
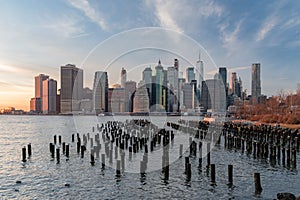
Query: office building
(71,88)
(147,78)
(130,88)
(116,98)
(256,85)
(214,93)
(100,92)
(199,71)
(159,82)
(141,99)
(49,96)
(223,75)
(36,102)
(190,75)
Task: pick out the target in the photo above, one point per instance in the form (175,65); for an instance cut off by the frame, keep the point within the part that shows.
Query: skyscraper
(36,102)
(232,83)
(141,99)
(217,96)
(100,92)
(147,78)
(71,88)
(130,87)
(49,96)
(190,75)
(116,100)
(172,78)
(255,86)
(200,71)
(123,77)
(223,75)
(159,84)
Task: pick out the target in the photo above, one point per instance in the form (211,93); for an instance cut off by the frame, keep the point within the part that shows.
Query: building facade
(49,96)
(256,85)
(141,99)
(71,88)
(100,92)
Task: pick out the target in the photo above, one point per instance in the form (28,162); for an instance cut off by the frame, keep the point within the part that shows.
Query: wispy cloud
(90,12)
(240,68)
(181,14)
(266,28)
(66,26)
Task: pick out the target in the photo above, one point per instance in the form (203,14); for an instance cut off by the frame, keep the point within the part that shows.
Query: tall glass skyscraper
(71,88)
(190,75)
(255,86)
(100,92)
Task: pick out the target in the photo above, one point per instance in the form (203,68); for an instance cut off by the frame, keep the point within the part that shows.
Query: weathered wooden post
(82,151)
(29,149)
(64,147)
(208,155)
(73,138)
(24,154)
(92,157)
(283,155)
(294,159)
(103,160)
(123,161)
(187,161)
(54,137)
(180,150)
(67,151)
(57,155)
(257,184)
(59,139)
(230,175)
(118,169)
(213,174)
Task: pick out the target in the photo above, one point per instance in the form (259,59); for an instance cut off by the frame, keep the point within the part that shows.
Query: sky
(40,36)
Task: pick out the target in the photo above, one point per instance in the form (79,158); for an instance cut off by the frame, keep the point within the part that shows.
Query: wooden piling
(213,174)
(54,138)
(67,151)
(59,139)
(64,147)
(73,138)
(208,155)
(187,161)
(230,174)
(180,150)
(92,157)
(29,149)
(257,184)
(103,160)
(57,155)
(24,154)
(118,168)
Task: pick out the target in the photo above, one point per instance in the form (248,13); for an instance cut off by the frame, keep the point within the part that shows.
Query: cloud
(66,26)
(179,15)
(234,69)
(90,12)
(229,38)
(266,28)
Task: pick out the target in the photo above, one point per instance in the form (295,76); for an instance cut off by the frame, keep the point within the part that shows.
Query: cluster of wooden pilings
(117,142)
(264,142)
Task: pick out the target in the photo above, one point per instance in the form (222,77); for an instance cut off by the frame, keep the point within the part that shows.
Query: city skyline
(59,32)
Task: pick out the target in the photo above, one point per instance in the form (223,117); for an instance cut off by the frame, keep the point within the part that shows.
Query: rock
(67,185)
(18,182)
(286,196)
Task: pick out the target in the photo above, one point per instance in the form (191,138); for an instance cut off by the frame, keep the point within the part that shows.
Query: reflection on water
(42,178)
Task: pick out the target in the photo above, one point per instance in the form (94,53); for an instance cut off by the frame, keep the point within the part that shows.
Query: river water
(42,178)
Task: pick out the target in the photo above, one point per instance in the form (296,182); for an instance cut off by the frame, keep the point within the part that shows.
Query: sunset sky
(40,36)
